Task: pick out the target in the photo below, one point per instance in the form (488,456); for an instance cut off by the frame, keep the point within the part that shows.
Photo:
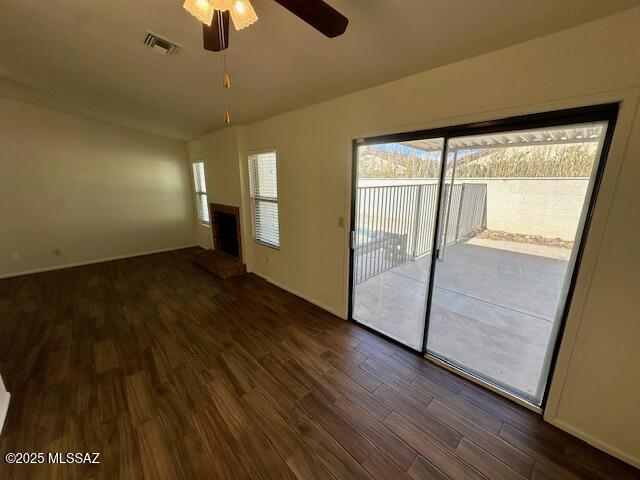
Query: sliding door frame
(604,112)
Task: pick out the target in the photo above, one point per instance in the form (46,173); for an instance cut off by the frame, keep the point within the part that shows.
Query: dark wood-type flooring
(171,373)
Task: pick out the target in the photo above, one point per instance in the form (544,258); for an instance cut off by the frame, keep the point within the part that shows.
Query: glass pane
(263,175)
(199,177)
(396,199)
(512,217)
(266,222)
(203,207)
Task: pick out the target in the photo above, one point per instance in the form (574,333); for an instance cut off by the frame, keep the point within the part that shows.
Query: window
(200,184)
(263,187)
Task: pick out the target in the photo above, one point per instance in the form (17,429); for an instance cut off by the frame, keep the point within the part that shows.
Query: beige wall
(595,392)
(90,189)
(549,207)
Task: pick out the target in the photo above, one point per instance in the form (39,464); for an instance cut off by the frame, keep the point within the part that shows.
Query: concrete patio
(493,306)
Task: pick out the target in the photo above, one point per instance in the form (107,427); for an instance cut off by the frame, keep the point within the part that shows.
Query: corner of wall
(594,441)
(245,207)
(223,152)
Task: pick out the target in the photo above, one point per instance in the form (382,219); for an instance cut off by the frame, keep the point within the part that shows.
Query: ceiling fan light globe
(201,9)
(221,5)
(242,14)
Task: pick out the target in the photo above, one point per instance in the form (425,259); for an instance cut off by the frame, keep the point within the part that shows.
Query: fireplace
(225,226)
(225,260)
(225,223)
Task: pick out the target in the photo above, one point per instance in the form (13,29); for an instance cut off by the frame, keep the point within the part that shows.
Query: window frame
(253,199)
(198,193)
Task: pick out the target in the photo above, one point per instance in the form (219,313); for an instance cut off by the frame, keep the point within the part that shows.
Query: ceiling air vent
(160,45)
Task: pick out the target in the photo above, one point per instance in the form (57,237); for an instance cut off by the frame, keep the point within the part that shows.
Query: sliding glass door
(466,243)
(396,197)
(512,224)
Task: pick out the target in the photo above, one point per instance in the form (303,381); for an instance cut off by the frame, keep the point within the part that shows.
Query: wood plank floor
(170,373)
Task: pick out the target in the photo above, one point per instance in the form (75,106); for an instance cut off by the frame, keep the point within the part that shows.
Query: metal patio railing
(394,224)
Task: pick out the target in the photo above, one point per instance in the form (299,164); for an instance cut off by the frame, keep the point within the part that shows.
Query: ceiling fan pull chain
(226,81)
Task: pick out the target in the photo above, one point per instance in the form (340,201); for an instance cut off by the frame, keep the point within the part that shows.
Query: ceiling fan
(215,14)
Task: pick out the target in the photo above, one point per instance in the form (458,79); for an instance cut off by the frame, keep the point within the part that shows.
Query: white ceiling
(87,56)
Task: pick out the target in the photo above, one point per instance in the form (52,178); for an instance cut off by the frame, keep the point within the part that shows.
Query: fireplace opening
(225,226)
(227,233)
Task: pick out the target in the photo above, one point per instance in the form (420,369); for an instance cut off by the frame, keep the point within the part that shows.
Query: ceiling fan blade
(319,15)
(213,41)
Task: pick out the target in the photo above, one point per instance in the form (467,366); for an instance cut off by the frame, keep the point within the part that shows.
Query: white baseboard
(97,260)
(4,403)
(317,303)
(599,444)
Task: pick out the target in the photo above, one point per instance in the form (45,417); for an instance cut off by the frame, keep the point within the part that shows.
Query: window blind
(263,186)
(200,185)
